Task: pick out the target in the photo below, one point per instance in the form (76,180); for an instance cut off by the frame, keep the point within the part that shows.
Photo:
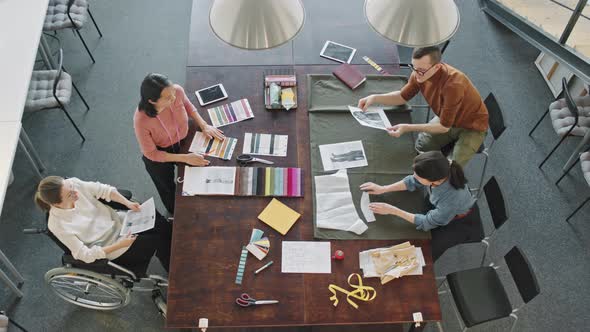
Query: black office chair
(497,127)
(497,208)
(480,297)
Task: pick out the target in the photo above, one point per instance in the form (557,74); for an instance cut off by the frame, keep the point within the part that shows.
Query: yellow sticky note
(279,216)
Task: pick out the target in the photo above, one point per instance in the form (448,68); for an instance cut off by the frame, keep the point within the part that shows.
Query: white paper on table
(373,117)
(210,180)
(366,263)
(343,155)
(306,257)
(143,220)
(365,201)
(334,206)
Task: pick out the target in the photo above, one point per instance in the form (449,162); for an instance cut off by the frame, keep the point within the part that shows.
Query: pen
(263,267)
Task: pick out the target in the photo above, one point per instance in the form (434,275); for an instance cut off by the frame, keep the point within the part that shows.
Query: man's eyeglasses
(418,71)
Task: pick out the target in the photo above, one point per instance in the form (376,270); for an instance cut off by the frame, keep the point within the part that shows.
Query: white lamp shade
(413,23)
(256,24)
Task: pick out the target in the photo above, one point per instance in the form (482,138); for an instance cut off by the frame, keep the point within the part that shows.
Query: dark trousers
(463,230)
(162,175)
(156,240)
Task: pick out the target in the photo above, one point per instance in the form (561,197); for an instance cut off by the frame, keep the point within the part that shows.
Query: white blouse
(90,225)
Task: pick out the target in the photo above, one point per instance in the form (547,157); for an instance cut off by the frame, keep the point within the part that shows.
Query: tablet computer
(211,94)
(337,52)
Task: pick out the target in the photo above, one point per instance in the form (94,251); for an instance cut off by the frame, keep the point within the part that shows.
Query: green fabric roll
(389,159)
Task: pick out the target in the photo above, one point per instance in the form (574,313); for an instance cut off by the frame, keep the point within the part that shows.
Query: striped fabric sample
(241,266)
(213,147)
(269,181)
(230,113)
(265,144)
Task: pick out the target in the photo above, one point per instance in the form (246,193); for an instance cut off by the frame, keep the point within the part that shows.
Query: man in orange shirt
(461,116)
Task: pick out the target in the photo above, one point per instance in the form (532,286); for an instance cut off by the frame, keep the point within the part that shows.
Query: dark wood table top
(209,233)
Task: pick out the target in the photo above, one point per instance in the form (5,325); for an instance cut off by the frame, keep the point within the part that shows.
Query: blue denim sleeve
(411,183)
(439,216)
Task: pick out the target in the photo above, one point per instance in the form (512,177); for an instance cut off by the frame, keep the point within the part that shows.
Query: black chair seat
(479,295)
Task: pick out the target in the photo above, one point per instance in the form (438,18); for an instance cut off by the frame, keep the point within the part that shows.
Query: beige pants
(467,142)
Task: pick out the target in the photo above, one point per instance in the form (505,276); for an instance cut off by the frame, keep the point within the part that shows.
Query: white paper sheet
(210,180)
(334,206)
(365,201)
(373,117)
(343,155)
(366,263)
(306,257)
(143,220)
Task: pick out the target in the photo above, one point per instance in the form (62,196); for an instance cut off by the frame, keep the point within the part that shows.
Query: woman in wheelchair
(90,228)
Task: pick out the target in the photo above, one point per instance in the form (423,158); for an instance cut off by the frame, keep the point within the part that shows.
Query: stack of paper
(393,262)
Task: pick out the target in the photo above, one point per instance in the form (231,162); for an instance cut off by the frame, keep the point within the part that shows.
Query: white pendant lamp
(413,23)
(256,24)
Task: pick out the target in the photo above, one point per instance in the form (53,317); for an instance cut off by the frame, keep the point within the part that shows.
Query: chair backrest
(523,274)
(55,240)
(496,119)
(496,202)
(569,101)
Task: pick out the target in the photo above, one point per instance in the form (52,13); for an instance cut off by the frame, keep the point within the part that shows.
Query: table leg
(7,280)
(31,149)
(46,53)
(20,142)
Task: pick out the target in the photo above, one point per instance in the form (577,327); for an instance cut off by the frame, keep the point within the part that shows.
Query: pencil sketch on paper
(343,155)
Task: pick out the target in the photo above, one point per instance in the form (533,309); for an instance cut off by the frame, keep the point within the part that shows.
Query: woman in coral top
(161,123)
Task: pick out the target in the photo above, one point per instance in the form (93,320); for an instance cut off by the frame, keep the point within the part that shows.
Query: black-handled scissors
(245,159)
(245,301)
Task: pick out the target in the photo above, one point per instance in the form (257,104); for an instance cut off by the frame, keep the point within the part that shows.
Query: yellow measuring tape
(362,293)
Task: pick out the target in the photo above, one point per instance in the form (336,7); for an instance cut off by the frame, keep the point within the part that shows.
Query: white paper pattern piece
(365,201)
(306,257)
(209,180)
(143,220)
(366,263)
(343,155)
(334,206)
(373,117)
(265,144)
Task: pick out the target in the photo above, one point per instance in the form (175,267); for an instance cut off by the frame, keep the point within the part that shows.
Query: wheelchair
(102,284)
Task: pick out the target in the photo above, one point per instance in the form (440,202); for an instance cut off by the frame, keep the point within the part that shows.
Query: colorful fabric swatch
(241,266)
(230,113)
(266,144)
(269,181)
(213,147)
(281,80)
(247,181)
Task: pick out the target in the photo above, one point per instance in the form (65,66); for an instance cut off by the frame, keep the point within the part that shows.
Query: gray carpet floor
(145,36)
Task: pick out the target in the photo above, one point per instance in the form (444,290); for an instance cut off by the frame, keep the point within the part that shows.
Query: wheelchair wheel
(87,289)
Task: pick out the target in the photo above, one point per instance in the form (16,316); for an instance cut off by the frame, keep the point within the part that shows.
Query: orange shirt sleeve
(451,102)
(410,89)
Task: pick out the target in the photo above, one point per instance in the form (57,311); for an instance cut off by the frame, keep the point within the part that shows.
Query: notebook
(348,74)
(279,216)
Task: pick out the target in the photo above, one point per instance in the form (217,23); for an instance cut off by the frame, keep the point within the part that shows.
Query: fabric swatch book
(230,113)
(213,147)
(349,75)
(265,144)
(279,216)
(242,181)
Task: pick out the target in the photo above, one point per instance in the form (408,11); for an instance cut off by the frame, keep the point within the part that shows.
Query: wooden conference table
(209,233)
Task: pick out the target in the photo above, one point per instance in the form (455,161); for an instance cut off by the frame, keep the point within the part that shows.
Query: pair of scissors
(245,159)
(245,301)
